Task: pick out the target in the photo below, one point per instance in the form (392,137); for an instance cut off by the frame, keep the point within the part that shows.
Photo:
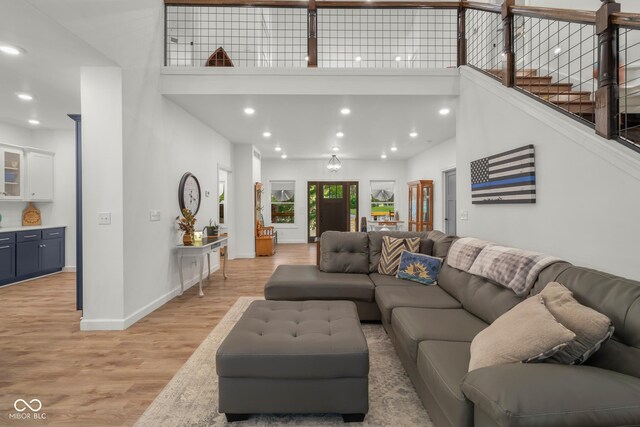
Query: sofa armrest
(546,394)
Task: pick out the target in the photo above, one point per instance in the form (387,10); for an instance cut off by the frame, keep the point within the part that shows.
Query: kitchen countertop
(15,228)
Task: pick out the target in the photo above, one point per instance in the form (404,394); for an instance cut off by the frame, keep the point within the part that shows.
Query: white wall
(302,171)
(62,210)
(431,164)
(587,188)
(246,172)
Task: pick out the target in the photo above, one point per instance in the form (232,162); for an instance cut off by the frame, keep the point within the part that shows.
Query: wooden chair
(265,240)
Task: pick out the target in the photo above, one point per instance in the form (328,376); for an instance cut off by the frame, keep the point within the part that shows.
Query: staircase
(561,95)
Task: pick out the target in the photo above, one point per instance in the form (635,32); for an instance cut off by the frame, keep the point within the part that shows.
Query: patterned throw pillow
(419,268)
(392,249)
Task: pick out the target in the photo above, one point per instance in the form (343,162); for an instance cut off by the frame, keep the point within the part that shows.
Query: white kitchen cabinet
(12,186)
(40,176)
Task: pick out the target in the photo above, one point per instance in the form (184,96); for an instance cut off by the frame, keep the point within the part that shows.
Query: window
(383,205)
(282,202)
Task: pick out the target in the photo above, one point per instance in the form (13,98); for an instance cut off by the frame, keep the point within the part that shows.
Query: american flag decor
(508,177)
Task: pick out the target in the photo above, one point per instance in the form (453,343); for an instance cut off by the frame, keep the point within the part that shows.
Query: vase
(187,239)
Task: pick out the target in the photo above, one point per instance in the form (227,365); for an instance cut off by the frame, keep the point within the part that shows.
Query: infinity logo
(21,405)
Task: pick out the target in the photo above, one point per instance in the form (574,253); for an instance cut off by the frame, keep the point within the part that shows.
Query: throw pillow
(526,333)
(419,268)
(591,328)
(426,247)
(392,249)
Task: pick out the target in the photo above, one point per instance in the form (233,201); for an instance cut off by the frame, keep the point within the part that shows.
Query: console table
(198,251)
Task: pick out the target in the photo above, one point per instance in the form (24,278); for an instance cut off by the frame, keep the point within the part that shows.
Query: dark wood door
(333,207)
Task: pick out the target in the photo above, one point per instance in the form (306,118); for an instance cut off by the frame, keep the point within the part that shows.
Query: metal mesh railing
(555,61)
(629,86)
(387,38)
(485,41)
(248,36)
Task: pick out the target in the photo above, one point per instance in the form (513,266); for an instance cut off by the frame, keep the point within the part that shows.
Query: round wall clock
(189,193)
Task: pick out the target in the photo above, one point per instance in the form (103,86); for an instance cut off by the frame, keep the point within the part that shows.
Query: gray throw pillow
(526,333)
(591,327)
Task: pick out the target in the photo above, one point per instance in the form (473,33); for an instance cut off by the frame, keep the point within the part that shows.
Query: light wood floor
(109,378)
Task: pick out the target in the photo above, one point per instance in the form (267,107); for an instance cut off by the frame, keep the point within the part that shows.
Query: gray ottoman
(285,357)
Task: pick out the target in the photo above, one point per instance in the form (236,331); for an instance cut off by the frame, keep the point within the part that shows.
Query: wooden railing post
(312,37)
(508,60)
(462,36)
(607,93)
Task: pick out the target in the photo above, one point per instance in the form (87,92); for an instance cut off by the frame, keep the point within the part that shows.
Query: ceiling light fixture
(394,148)
(398,58)
(10,50)
(278,148)
(383,156)
(334,164)
(444,111)
(413,134)
(34,122)
(345,111)
(266,134)
(358,58)
(249,111)
(340,134)
(284,156)
(335,148)
(25,96)
(558,50)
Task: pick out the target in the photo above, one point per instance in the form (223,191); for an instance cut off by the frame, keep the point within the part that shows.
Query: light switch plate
(207,193)
(154,215)
(104,218)
(464,215)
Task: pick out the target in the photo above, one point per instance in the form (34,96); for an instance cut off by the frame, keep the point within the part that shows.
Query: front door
(333,206)
(450,202)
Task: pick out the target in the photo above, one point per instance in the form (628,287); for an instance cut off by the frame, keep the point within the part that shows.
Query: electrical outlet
(154,215)
(207,193)
(104,218)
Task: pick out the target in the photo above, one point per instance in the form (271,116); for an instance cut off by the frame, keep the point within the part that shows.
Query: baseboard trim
(122,324)
(286,242)
(69,269)
(247,255)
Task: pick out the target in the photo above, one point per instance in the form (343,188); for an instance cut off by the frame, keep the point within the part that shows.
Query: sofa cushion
(526,333)
(375,244)
(414,325)
(441,244)
(419,268)
(344,252)
(442,366)
(384,280)
(307,282)
(392,249)
(390,297)
(591,328)
(545,394)
(478,295)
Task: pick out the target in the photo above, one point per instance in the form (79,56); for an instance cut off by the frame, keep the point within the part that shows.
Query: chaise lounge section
(431,328)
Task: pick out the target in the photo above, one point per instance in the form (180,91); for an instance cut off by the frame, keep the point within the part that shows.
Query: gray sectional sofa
(432,328)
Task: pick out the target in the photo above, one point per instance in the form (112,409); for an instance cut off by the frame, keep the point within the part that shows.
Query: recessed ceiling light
(10,50)
(444,111)
(340,134)
(398,58)
(278,148)
(345,111)
(25,96)
(266,134)
(284,156)
(394,148)
(413,134)
(358,58)
(249,111)
(558,50)
(335,148)
(34,122)
(383,156)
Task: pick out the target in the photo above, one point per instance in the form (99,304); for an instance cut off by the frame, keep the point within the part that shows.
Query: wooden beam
(312,36)
(568,15)
(627,20)
(462,37)
(509,62)
(495,8)
(238,3)
(607,93)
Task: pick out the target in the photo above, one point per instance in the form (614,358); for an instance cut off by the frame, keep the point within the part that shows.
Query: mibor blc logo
(28,410)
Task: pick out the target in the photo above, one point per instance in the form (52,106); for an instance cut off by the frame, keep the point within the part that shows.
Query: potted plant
(212,228)
(187,225)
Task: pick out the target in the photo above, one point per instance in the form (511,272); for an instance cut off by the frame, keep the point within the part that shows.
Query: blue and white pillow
(419,268)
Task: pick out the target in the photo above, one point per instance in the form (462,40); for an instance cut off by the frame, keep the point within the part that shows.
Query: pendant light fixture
(334,164)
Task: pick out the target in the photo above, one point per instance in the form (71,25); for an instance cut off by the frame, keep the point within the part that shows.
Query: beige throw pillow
(591,328)
(392,248)
(526,333)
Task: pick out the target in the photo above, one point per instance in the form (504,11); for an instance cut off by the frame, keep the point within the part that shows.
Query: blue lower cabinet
(51,254)
(7,262)
(28,258)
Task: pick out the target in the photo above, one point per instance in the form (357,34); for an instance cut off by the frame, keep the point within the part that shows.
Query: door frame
(318,183)
(444,197)
(77,118)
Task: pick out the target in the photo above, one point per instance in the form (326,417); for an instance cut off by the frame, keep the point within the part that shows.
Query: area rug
(191,397)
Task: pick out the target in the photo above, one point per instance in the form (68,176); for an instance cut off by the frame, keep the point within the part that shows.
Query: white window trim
(283,225)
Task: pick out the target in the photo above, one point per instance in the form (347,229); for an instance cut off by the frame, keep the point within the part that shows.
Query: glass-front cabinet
(420,205)
(12,180)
